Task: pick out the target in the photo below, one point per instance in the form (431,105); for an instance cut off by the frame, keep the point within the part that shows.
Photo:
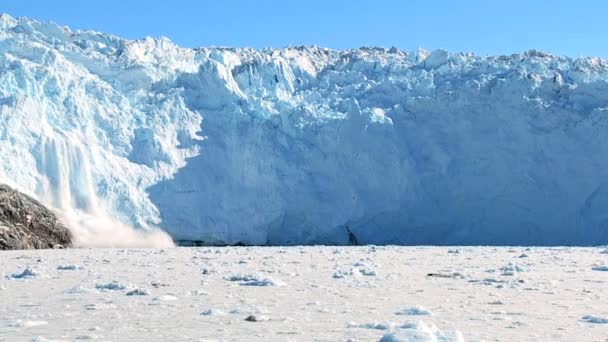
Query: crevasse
(304,145)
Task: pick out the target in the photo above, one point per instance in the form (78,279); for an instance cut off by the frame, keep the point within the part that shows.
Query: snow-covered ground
(306,294)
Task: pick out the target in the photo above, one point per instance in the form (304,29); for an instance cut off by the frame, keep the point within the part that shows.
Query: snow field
(192,294)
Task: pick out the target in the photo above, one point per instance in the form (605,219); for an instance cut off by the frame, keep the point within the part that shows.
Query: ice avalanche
(303,145)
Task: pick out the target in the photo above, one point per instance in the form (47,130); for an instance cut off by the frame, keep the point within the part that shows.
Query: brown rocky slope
(27,224)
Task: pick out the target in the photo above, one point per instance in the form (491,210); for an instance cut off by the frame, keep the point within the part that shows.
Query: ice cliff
(306,145)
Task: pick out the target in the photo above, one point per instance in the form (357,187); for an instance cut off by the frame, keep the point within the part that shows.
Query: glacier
(303,145)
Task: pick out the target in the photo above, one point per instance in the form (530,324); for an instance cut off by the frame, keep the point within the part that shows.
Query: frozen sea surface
(191,294)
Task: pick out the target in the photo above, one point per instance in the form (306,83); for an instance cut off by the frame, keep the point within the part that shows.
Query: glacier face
(304,145)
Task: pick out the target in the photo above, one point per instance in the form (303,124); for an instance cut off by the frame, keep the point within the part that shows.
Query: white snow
(562,298)
(165,298)
(100,307)
(303,144)
(80,289)
(27,324)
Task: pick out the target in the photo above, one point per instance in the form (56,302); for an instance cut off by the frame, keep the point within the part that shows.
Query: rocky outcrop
(27,224)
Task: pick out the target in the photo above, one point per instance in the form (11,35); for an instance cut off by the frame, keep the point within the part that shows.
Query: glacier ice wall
(306,145)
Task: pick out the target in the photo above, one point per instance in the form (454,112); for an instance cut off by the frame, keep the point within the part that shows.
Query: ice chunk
(422,332)
(414,311)
(138,292)
(254,280)
(112,286)
(165,298)
(595,319)
(259,318)
(68,267)
(212,312)
(27,273)
(373,325)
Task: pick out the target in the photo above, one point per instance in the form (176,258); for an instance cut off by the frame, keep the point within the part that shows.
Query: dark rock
(27,224)
(253,318)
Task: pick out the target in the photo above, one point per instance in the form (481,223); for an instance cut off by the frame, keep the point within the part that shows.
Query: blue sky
(574,28)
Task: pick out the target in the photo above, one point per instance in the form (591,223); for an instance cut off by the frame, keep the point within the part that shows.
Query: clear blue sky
(573,28)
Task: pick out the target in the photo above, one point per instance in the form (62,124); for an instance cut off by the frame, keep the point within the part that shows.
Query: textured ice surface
(304,145)
(560,298)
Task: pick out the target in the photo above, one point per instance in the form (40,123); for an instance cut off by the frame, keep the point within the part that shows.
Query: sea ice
(595,319)
(415,311)
(27,273)
(422,332)
(112,286)
(138,292)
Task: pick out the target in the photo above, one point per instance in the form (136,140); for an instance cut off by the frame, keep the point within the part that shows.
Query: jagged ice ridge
(304,144)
